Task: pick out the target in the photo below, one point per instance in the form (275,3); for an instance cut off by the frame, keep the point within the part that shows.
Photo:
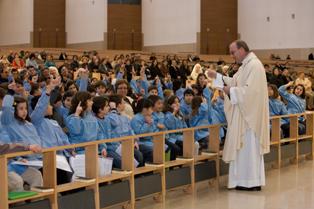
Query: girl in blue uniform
(17,123)
(159,121)
(174,120)
(82,123)
(143,123)
(199,117)
(295,104)
(276,106)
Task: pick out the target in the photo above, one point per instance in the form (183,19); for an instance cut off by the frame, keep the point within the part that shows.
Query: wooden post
(188,144)
(91,169)
(159,149)
(4,183)
(127,154)
(214,146)
(127,158)
(159,158)
(188,152)
(214,142)
(50,176)
(310,131)
(275,137)
(294,132)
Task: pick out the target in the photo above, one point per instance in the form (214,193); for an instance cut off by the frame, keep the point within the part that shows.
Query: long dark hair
(275,90)
(168,102)
(81,96)
(196,103)
(17,101)
(303,90)
(198,78)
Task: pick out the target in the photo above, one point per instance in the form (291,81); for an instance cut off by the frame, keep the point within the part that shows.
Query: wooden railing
(189,160)
(159,165)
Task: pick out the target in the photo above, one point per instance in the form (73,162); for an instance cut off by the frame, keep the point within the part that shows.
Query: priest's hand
(211,73)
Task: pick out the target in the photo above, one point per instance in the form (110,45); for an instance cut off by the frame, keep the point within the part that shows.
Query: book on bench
(84,179)
(20,195)
(42,189)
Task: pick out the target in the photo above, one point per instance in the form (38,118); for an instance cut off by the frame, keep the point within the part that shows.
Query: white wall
(282,31)
(167,22)
(86,20)
(16,21)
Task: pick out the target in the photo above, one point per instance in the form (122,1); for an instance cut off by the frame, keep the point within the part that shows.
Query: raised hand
(79,109)
(13,86)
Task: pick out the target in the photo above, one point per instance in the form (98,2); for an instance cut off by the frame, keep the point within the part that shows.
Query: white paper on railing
(62,163)
(119,151)
(78,165)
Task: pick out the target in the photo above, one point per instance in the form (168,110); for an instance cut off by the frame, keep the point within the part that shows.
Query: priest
(246,109)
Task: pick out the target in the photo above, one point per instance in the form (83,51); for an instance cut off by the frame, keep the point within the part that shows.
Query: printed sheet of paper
(62,163)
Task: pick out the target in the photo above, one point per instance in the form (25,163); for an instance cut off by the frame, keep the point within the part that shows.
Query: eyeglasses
(122,88)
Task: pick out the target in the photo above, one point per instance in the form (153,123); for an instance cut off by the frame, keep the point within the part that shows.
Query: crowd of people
(90,98)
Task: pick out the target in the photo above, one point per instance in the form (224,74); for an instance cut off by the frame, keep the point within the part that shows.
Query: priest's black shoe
(248,189)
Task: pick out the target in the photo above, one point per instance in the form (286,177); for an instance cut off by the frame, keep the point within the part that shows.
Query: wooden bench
(133,176)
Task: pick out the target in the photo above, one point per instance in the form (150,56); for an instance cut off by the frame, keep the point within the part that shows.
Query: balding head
(239,50)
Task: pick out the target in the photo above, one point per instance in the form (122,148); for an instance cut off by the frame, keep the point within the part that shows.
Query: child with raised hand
(119,126)
(49,130)
(82,123)
(296,99)
(17,123)
(295,104)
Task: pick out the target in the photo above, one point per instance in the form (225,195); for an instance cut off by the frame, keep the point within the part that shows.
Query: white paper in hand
(62,163)
(218,82)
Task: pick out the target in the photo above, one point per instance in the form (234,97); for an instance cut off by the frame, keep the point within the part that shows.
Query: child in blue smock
(295,104)
(276,106)
(159,121)
(81,123)
(17,123)
(185,105)
(49,131)
(174,120)
(143,123)
(199,117)
(118,125)
(3,133)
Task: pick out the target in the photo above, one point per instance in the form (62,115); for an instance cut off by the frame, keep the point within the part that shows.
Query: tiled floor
(290,187)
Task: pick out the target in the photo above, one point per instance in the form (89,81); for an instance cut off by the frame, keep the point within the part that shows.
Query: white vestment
(247,115)
(247,170)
